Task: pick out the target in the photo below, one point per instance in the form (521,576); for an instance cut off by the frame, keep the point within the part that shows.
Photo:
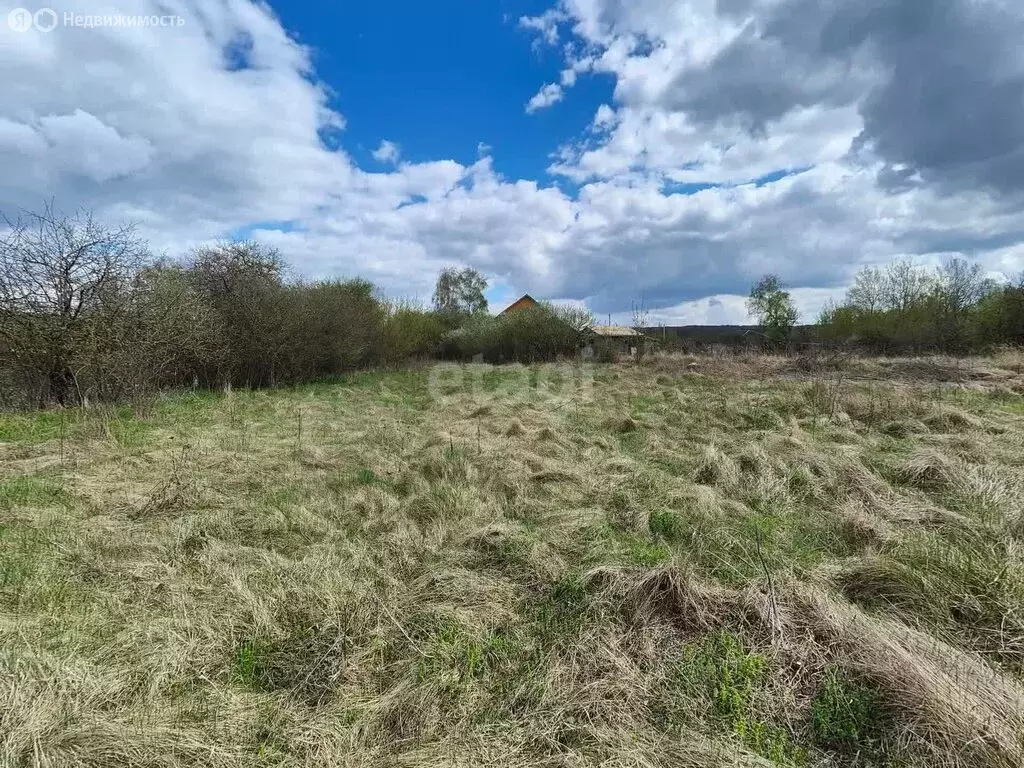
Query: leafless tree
(869,290)
(962,284)
(905,285)
(58,275)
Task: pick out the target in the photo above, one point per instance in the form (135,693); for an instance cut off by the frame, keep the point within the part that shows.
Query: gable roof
(526,300)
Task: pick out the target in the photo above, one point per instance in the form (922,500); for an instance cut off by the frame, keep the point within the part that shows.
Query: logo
(20,20)
(45,19)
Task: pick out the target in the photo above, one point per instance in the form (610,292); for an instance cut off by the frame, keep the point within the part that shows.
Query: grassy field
(691,562)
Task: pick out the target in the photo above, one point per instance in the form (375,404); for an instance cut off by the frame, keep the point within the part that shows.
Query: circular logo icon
(20,20)
(45,19)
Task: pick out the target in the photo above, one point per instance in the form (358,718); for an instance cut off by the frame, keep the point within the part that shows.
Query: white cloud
(545,25)
(155,125)
(549,94)
(387,152)
(731,309)
(604,117)
(81,143)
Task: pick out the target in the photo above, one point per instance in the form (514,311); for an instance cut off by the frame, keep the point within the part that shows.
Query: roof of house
(613,330)
(526,300)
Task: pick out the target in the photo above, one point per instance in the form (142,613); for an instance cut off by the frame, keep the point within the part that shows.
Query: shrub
(528,335)
(409,332)
(905,308)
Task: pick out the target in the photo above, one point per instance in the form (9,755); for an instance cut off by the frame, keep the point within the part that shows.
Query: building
(601,341)
(521,303)
(612,340)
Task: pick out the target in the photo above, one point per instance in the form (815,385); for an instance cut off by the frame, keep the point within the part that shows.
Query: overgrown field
(688,563)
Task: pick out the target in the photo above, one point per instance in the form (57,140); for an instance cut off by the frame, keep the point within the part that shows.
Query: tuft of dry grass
(966,712)
(699,561)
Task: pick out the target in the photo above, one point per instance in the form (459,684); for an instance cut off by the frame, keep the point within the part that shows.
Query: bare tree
(57,275)
(641,315)
(868,291)
(962,284)
(906,285)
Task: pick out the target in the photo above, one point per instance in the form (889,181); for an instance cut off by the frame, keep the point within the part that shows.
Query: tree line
(86,313)
(902,308)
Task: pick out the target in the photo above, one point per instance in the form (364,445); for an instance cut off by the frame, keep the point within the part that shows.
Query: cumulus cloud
(900,122)
(387,152)
(744,136)
(937,92)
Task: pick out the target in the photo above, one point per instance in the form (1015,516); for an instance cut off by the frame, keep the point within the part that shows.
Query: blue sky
(592,151)
(442,78)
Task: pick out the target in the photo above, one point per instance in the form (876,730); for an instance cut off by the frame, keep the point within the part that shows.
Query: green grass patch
(452,655)
(847,715)
(18,562)
(648,555)
(37,427)
(32,491)
(643,404)
(127,429)
(667,524)
(726,677)
(558,613)
(366,476)
(761,418)
(250,663)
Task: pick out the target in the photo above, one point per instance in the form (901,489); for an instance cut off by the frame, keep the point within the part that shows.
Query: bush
(339,326)
(126,326)
(529,335)
(908,309)
(409,333)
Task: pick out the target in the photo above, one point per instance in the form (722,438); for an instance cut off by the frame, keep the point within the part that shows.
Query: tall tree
(868,291)
(905,286)
(773,308)
(962,284)
(460,293)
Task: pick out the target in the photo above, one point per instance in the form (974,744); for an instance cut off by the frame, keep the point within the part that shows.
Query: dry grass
(705,562)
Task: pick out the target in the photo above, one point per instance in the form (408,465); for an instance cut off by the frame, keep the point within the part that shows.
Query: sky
(611,153)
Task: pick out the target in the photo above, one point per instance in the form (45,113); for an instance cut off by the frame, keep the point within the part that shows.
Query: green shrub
(533,334)
(409,332)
